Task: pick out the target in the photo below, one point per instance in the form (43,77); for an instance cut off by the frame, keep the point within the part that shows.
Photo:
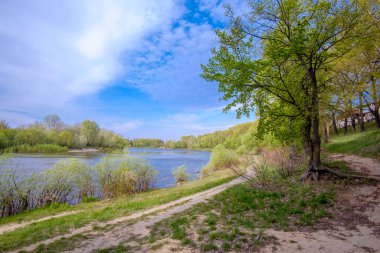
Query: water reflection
(163,160)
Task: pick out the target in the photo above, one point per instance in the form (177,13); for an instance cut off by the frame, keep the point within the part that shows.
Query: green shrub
(124,175)
(221,158)
(38,148)
(180,174)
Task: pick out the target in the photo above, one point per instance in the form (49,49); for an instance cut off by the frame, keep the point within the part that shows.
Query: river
(163,160)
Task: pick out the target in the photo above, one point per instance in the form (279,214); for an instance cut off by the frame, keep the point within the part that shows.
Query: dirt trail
(123,228)
(365,165)
(13,226)
(360,236)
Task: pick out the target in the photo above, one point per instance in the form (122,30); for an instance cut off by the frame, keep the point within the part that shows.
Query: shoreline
(84,150)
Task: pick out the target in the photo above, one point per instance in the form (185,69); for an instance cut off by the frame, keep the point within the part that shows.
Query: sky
(133,66)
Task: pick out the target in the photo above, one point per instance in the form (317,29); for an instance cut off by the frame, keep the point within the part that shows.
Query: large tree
(53,122)
(277,57)
(89,131)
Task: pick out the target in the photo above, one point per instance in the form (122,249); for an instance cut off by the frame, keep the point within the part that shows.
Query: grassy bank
(39,148)
(97,211)
(363,144)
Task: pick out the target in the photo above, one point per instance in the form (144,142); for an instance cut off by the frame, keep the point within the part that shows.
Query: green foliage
(280,67)
(38,148)
(180,174)
(88,199)
(53,136)
(89,133)
(124,175)
(221,158)
(145,143)
(66,139)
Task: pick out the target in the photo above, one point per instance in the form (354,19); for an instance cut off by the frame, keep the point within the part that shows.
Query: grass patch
(98,211)
(235,218)
(38,148)
(363,144)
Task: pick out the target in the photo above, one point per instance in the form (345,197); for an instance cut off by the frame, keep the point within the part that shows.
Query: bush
(81,175)
(180,174)
(221,158)
(38,148)
(70,181)
(284,161)
(15,188)
(124,175)
(145,175)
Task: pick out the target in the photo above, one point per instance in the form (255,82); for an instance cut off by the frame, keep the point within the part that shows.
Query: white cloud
(54,51)
(169,67)
(126,126)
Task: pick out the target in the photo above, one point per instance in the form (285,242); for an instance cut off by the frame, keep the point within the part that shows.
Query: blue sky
(131,65)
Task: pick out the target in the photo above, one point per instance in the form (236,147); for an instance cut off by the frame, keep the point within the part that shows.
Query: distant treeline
(145,143)
(241,138)
(53,135)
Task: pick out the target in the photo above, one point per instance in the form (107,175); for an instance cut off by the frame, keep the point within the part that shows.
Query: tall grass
(38,148)
(70,181)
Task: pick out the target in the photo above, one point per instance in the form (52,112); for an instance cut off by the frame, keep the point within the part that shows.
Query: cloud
(169,66)
(126,126)
(217,10)
(54,52)
(62,56)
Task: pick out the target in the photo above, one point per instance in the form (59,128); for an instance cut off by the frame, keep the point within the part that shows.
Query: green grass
(39,148)
(98,211)
(234,219)
(364,144)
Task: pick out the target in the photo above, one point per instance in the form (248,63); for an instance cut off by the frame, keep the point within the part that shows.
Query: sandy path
(364,238)
(12,226)
(116,235)
(365,165)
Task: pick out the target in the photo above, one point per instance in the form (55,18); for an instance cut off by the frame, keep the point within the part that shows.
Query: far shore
(84,150)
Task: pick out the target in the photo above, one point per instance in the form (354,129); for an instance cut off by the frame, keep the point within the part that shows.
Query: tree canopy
(278,59)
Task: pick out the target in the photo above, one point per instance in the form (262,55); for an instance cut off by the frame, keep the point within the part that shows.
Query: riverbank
(101,211)
(84,150)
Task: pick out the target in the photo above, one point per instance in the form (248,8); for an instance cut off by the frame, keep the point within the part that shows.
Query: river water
(163,160)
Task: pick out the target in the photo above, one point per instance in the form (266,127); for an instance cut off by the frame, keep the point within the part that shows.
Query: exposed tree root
(314,174)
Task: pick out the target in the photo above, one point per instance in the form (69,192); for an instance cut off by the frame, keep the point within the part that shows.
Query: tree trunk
(306,137)
(361,117)
(345,125)
(352,116)
(315,158)
(353,123)
(334,124)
